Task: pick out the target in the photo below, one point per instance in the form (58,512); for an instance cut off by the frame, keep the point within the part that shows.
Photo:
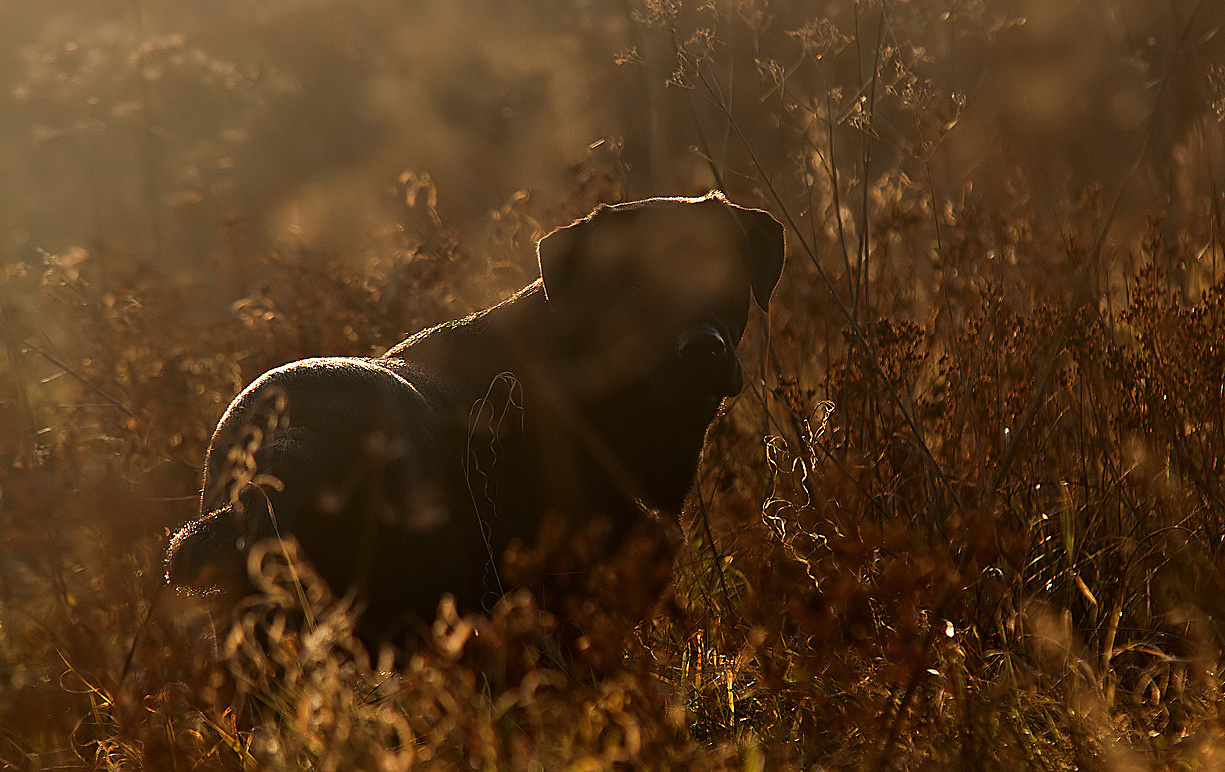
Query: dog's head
(657,292)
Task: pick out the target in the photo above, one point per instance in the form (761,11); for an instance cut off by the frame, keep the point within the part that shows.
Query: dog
(584,397)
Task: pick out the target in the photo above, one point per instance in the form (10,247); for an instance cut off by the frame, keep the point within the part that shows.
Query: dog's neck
(520,335)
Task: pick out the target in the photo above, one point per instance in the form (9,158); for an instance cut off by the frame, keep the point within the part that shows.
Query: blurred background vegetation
(970,514)
(191,132)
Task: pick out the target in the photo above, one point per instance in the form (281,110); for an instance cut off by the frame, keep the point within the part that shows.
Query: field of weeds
(968,514)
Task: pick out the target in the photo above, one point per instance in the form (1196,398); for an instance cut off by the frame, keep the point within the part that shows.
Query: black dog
(585,396)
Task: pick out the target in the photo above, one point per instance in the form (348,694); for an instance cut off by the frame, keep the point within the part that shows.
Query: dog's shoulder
(479,346)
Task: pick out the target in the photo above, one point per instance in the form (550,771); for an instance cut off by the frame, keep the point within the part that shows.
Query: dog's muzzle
(708,354)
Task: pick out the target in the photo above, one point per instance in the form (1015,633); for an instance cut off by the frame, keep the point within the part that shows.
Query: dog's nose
(709,356)
(702,343)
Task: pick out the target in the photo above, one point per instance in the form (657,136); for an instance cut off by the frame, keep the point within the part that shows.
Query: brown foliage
(968,513)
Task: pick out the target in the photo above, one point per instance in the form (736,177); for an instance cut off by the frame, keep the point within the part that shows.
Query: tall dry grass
(968,514)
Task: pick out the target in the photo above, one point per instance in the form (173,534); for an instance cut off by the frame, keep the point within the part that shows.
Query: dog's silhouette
(586,397)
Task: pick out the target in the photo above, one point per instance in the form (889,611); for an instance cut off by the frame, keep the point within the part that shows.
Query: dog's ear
(765,249)
(561,255)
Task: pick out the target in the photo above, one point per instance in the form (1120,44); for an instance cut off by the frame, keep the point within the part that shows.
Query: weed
(967,514)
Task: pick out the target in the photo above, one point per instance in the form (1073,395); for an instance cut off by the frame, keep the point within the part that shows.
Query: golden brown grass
(969,515)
